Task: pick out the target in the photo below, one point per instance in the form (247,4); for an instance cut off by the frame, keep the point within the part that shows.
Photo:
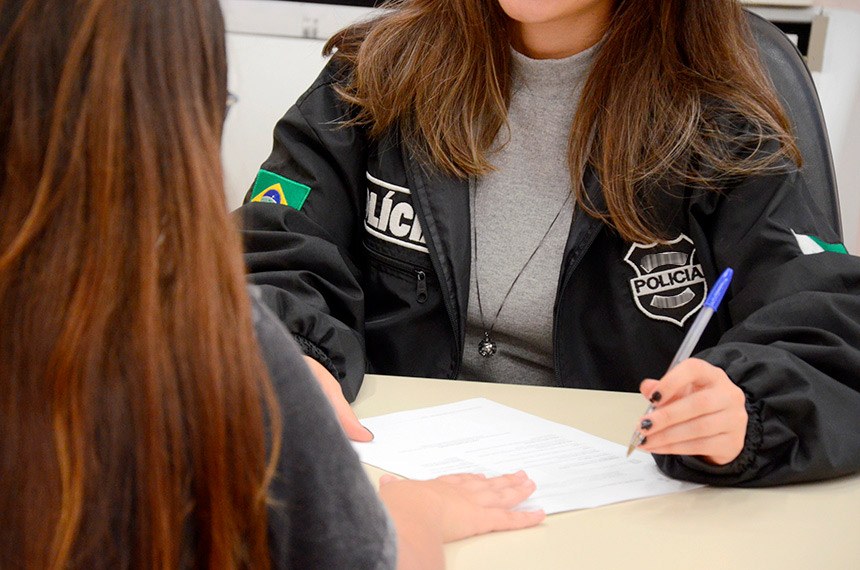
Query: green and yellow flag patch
(275,189)
(810,244)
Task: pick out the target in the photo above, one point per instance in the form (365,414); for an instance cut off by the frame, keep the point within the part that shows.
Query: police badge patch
(668,285)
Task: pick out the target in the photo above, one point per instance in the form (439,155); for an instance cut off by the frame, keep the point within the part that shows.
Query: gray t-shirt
(324,512)
(513,207)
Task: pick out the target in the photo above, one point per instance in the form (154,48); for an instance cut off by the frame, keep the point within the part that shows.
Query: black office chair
(795,88)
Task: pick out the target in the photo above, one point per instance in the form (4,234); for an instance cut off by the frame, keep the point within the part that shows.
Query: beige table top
(799,526)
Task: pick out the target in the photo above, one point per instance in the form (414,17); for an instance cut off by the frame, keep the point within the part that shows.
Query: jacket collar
(583,228)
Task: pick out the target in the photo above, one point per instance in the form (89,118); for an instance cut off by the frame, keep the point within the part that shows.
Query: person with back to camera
(139,424)
(542,193)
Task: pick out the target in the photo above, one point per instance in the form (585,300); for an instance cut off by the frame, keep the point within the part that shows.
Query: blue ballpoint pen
(692,339)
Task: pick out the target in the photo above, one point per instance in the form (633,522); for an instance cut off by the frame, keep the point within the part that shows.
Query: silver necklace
(487,347)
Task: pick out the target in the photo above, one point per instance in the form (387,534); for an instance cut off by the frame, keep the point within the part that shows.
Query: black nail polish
(644,439)
(656,397)
(646,424)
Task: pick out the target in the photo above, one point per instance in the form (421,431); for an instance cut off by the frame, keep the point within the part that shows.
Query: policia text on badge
(669,279)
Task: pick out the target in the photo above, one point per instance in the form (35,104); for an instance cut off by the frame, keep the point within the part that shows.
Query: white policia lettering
(393,218)
(400,212)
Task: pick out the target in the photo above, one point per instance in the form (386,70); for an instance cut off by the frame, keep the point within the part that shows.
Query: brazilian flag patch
(275,189)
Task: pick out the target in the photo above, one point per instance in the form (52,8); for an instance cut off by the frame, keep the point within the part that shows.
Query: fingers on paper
(509,480)
(463,478)
(508,496)
(504,491)
(479,481)
(502,519)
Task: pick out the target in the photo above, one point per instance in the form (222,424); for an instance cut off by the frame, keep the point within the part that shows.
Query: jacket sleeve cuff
(315,352)
(752,443)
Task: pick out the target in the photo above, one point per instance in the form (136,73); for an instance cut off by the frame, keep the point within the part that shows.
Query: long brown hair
(134,397)
(676,95)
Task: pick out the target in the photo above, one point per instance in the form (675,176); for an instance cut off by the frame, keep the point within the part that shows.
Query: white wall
(838,85)
(268,73)
(273,57)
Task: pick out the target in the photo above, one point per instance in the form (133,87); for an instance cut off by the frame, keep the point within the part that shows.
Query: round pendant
(486,347)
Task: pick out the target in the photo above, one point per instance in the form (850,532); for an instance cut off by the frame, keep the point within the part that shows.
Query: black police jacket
(370,272)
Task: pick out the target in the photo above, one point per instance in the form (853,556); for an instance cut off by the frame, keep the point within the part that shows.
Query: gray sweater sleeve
(324,513)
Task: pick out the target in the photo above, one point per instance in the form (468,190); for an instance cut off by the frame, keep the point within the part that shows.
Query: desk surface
(798,526)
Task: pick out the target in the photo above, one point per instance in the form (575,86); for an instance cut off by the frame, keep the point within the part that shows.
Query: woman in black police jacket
(681,163)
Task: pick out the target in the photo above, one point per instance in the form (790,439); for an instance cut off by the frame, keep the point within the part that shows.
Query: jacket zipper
(405,268)
(421,292)
(422,211)
(556,313)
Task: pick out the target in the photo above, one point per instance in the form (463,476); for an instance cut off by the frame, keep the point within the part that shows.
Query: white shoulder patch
(811,244)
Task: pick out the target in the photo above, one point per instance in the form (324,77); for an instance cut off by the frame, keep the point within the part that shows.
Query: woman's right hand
(345,416)
(453,507)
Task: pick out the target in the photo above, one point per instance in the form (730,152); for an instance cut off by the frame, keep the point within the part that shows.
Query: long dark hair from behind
(676,95)
(134,397)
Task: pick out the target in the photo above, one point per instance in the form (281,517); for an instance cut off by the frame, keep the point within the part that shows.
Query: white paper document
(572,469)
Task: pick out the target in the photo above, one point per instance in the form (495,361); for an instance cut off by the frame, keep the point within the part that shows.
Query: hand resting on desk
(330,387)
(451,508)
